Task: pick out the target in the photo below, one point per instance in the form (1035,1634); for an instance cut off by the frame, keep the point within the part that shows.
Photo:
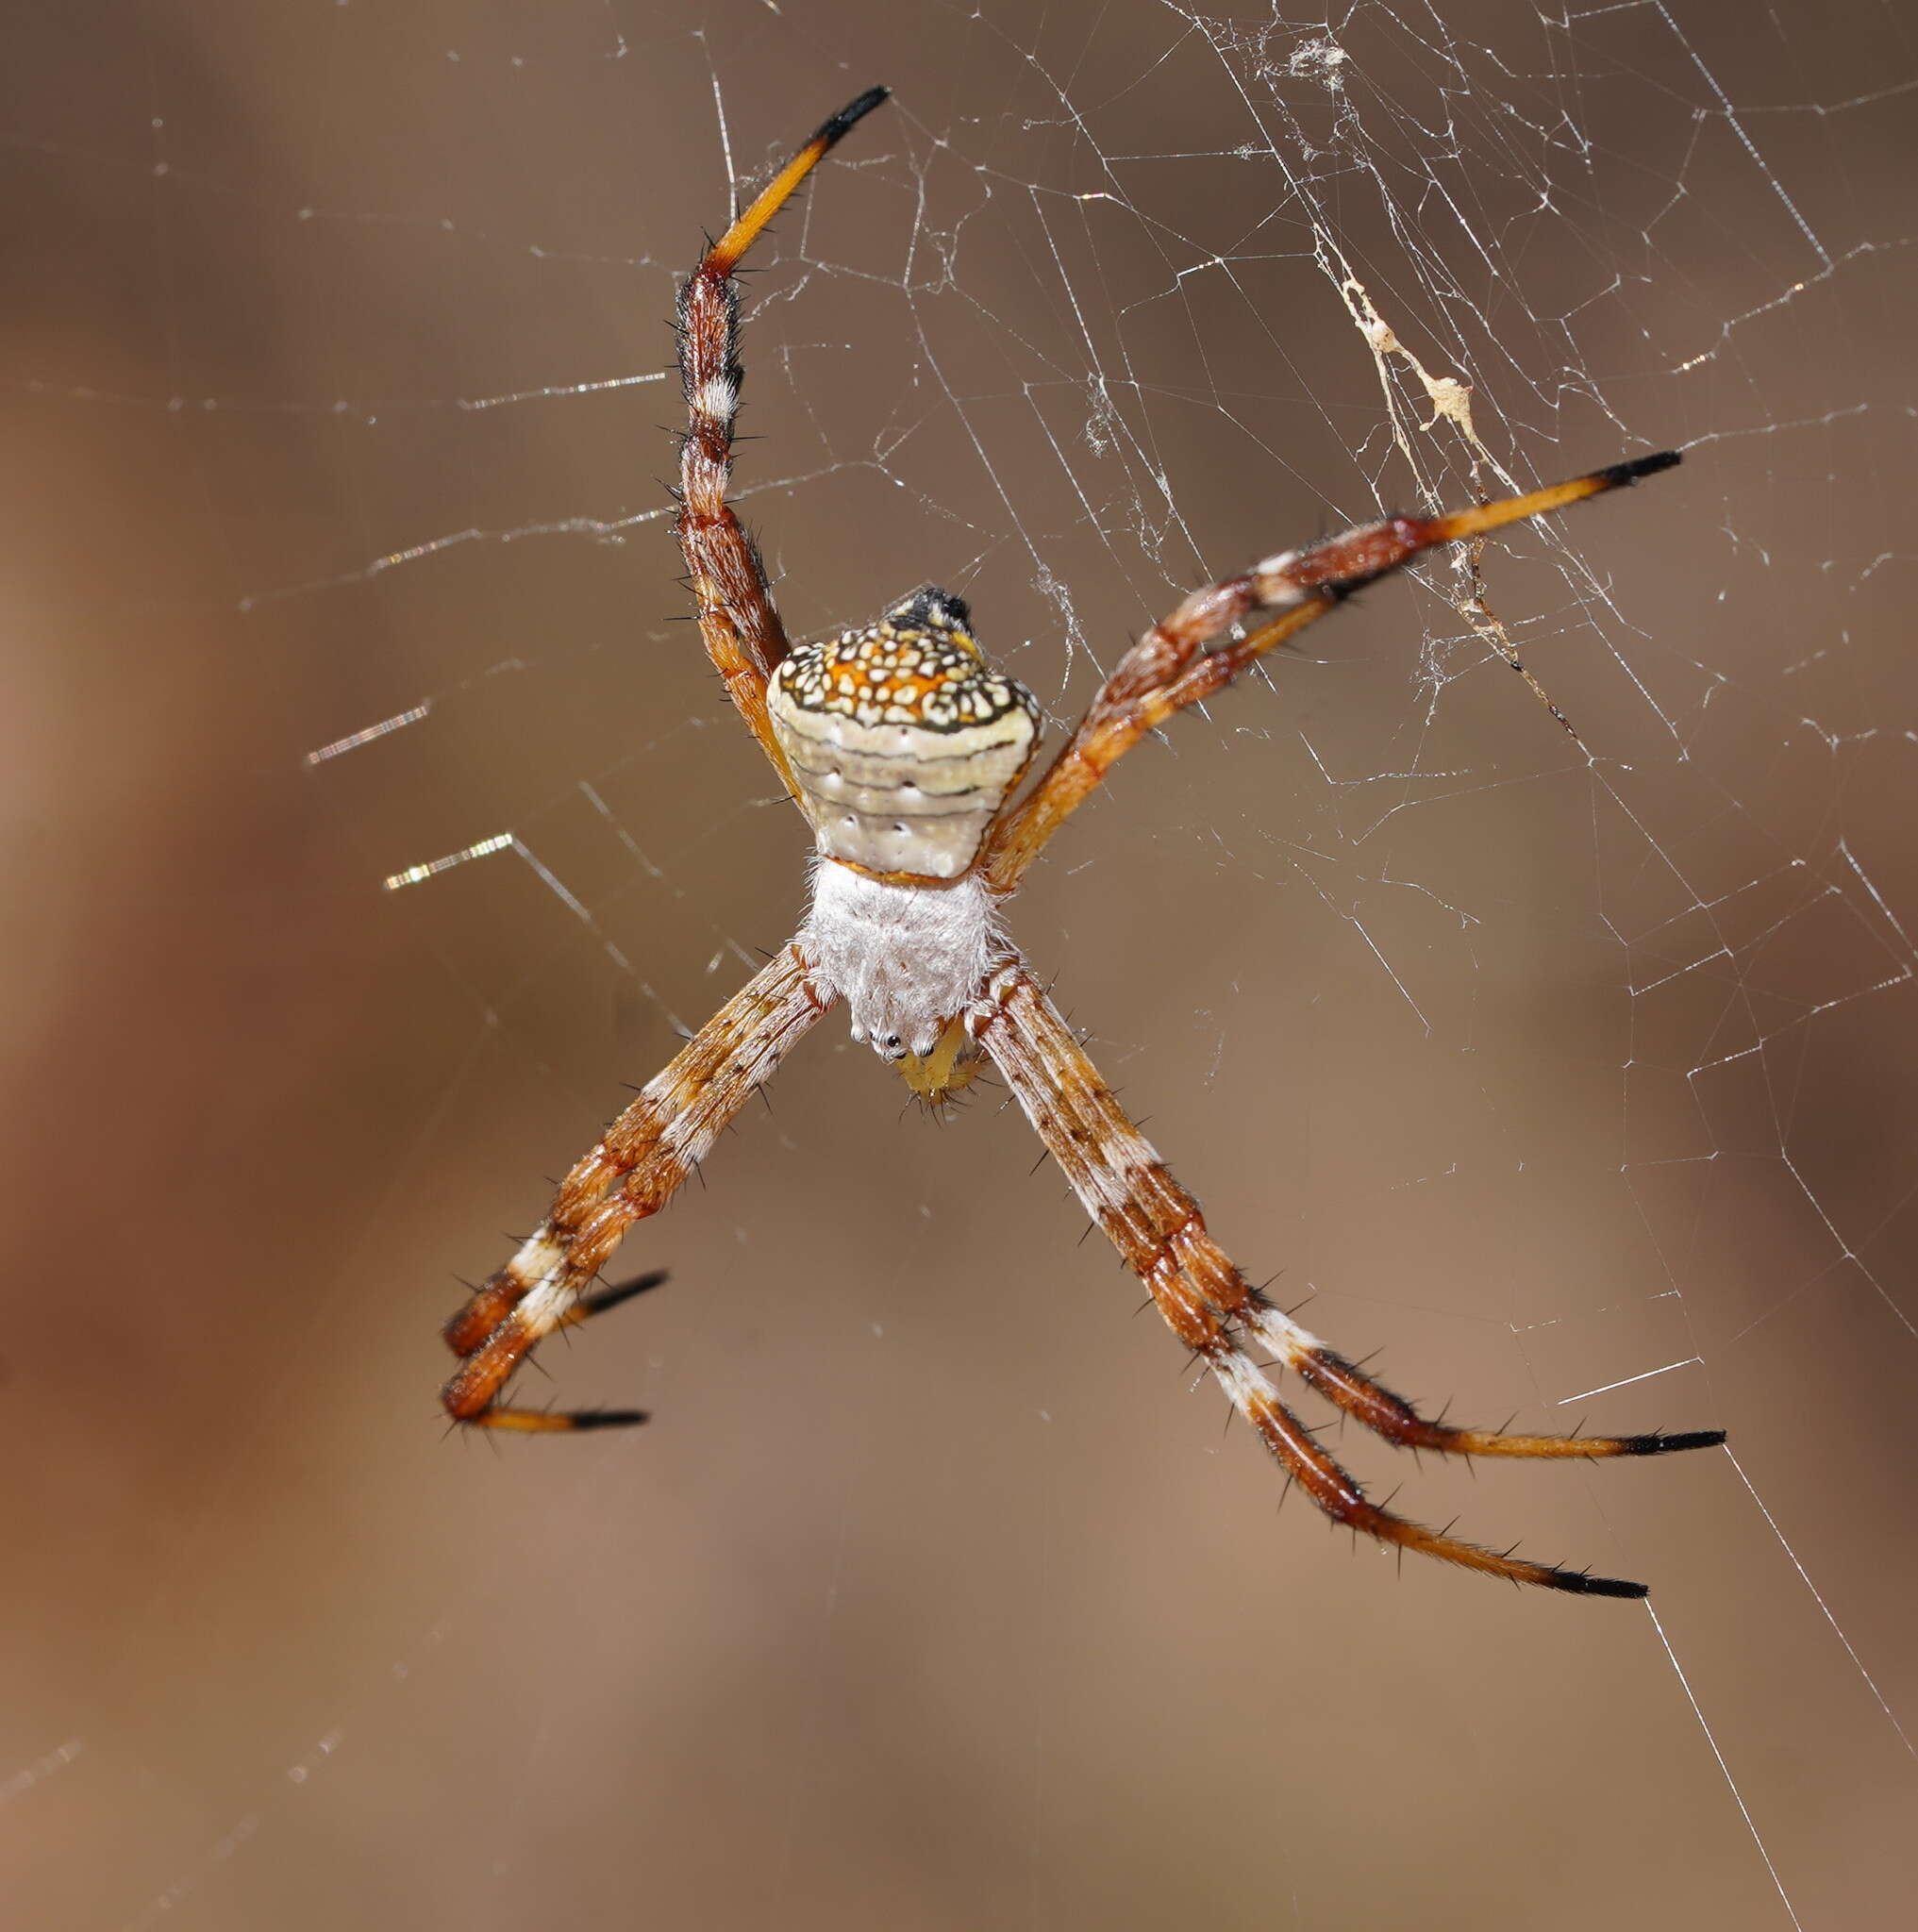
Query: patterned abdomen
(904,744)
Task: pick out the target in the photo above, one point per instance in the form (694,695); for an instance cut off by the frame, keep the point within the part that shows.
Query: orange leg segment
(737,623)
(640,1163)
(1169,668)
(1160,1231)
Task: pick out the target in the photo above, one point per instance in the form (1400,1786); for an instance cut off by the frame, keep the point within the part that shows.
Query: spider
(902,746)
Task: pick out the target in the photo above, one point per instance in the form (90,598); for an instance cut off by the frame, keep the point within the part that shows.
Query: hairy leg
(741,628)
(1157,1226)
(642,1161)
(1169,668)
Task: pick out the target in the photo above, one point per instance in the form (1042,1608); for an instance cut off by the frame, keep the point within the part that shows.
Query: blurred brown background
(931,1598)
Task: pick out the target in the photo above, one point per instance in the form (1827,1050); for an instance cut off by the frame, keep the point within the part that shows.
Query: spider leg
(484,1307)
(601,1299)
(737,623)
(1344,1384)
(1159,1230)
(640,1162)
(1169,668)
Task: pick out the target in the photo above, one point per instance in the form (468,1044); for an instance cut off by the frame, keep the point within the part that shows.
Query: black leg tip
(1663,1445)
(1581,1585)
(610,1418)
(855,111)
(1617,473)
(602,1299)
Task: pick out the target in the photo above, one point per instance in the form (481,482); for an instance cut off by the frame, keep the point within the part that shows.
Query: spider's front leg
(1169,668)
(643,1160)
(1158,1228)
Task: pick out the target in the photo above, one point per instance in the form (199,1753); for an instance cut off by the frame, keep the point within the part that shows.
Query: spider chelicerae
(903,747)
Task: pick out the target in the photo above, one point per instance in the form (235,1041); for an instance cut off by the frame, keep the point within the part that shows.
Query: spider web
(375,815)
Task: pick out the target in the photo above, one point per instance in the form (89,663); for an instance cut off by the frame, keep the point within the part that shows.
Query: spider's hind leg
(1171,666)
(738,622)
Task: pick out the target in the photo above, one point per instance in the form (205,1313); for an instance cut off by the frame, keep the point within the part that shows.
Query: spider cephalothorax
(902,748)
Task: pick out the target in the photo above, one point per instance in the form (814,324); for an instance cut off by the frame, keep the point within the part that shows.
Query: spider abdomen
(903,742)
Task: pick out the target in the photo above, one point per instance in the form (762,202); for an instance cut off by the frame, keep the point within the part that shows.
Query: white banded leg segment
(1369,1401)
(1339,1495)
(644,1158)
(737,620)
(738,624)
(1159,1229)
(1169,667)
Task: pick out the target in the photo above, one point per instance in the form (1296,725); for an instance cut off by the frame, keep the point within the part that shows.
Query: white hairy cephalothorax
(904,747)
(905,960)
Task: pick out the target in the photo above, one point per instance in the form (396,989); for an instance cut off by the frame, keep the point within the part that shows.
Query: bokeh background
(1574,1075)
